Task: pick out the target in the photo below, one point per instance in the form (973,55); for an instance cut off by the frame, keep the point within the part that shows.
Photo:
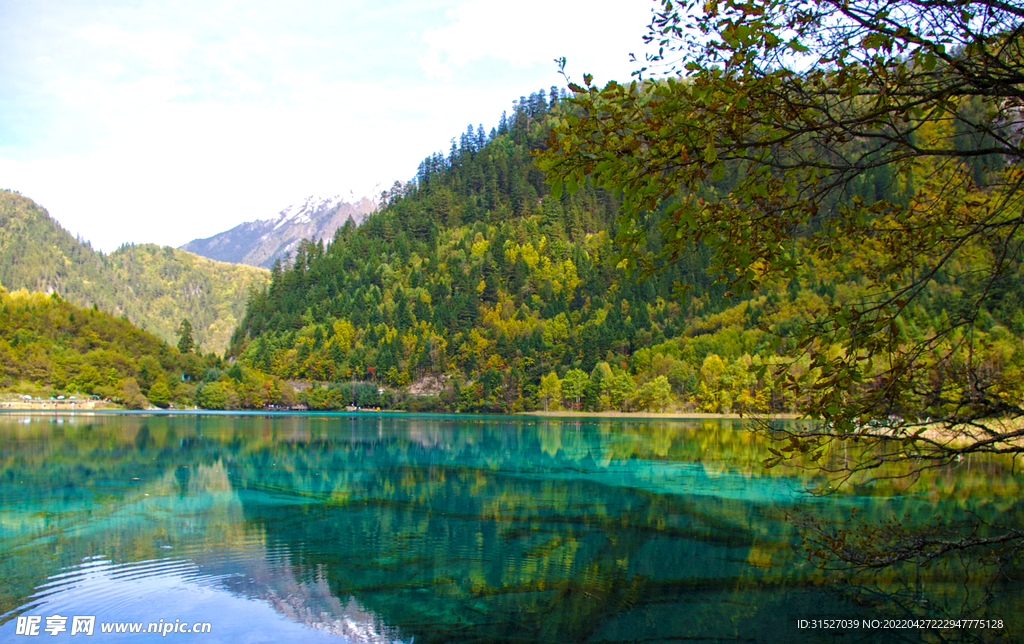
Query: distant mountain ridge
(153,287)
(262,242)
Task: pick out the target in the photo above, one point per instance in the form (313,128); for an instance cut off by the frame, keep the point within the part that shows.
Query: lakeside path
(55,405)
(81,406)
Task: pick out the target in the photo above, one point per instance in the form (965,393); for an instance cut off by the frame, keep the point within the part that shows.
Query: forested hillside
(49,346)
(154,287)
(477,285)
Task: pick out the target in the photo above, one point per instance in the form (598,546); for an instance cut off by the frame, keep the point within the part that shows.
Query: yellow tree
(550,389)
(756,145)
(769,123)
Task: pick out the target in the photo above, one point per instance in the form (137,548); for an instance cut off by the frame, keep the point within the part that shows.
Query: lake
(400,528)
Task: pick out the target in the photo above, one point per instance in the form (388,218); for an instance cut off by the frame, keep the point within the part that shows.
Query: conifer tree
(185,341)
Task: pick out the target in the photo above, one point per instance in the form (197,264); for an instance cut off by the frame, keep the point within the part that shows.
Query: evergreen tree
(185,341)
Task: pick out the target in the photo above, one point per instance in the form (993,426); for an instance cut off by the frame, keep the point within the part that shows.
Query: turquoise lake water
(399,528)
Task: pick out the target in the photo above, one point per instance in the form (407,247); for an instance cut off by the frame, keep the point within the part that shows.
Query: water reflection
(432,529)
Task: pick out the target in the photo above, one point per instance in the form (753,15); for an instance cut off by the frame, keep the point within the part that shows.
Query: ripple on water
(229,587)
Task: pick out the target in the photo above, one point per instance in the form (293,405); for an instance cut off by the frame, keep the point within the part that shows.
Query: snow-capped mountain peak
(263,241)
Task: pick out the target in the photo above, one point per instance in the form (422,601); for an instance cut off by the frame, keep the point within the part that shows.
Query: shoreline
(647,415)
(49,406)
(59,405)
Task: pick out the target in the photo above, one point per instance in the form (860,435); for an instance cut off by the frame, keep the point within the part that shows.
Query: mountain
(476,284)
(153,287)
(262,242)
(49,346)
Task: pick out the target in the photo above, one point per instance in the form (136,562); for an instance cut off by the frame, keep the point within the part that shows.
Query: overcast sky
(154,121)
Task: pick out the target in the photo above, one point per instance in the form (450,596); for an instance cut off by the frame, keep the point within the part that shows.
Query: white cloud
(110,68)
(171,121)
(172,172)
(147,91)
(164,49)
(597,36)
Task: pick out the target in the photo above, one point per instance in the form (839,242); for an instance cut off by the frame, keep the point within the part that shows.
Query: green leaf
(929,61)
(556,189)
(710,154)
(718,172)
(571,184)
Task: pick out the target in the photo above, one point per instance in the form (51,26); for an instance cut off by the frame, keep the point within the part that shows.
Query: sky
(161,122)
